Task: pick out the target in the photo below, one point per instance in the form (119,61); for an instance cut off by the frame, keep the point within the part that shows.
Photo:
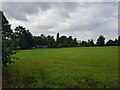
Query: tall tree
(24,37)
(58,36)
(57,40)
(101,41)
(6,27)
(8,43)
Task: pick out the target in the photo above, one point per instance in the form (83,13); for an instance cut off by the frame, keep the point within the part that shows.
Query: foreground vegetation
(80,67)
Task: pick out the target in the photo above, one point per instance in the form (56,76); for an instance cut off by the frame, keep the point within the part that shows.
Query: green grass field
(80,67)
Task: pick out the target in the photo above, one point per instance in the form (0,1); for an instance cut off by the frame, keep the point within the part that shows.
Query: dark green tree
(51,41)
(90,43)
(70,41)
(116,42)
(57,40)
(43,40)
(101,41)
(24,37)
(58,36)
(84,43)
(75,43)
(63,41)
(110,43)
(9,46)
(6,27)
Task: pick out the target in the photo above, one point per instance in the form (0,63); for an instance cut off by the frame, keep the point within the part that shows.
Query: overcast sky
(81,20)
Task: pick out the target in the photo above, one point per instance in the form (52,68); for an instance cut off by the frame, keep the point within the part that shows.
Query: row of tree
(100,42)
(25,40)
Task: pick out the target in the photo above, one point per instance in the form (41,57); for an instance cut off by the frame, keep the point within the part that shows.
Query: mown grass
(80,67)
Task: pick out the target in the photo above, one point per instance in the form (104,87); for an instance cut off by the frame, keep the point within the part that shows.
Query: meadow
(78,67)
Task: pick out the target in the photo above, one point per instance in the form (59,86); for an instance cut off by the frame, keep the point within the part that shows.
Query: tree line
(101,42)
(21,38)
(25,40)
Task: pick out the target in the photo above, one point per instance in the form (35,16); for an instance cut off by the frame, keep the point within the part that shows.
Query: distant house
(41,46)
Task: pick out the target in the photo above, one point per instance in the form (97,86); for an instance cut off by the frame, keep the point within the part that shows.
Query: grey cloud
(19,10)
(44,27)
(81,20)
